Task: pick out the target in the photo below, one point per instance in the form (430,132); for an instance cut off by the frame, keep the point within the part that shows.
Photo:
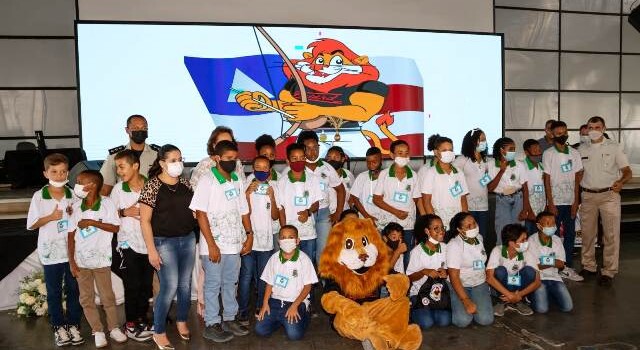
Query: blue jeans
(410,241)
(555,290)
(482,219)
(481,296)
(178,257)
(564,217)
(308,247)
(323,226)
(507,210)
(276,318)
(427,318)
(220,278)
(251,268)
(527,276)
(54,276)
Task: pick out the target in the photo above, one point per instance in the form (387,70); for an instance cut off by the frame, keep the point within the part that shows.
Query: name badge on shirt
(547,260)
(281,281)
(88,231)
(262,189)
(62,225)
(400,197)
(484,181)
(514,280)
(300,201)
(538,189)
(456,189)
(231,194)
(323,186)
(370,199)
(478,265)
(566,167)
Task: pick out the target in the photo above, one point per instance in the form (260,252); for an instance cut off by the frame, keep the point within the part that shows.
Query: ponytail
(156,169)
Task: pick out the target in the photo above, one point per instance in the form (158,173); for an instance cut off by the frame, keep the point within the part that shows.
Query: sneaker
(243,319)
(588,274)
(61,336)
(521,308)
(498,308)
(74,334)
(117,335)
(100,339)
(235,327)
(217,334)
(137,332)
(571,275)
(605,281)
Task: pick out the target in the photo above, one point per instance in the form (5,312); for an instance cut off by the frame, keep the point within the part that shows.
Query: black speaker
(24,168)
(634,18)
(81,166)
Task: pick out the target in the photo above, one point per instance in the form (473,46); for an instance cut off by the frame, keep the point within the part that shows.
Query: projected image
(357,88)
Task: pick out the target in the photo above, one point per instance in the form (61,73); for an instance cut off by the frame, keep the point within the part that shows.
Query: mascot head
(355,257)
(330,65)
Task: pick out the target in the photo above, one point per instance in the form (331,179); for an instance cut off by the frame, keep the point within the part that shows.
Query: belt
(601,190)
(510,195)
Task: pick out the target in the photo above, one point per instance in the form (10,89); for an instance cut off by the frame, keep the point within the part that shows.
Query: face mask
(261,175)
(58,183)
(584,139)
(287,245)
(536,159)
(175,169)
(313,161)
(433,241)
(297,166)
(482,146)
(472,233)
(595,135)
(447,156)
(401,161)
(522,247)
(78,189)
(561,139)
(549,231)
(336,164)
(139,136)
(227,165)
(510,156)
(393,244)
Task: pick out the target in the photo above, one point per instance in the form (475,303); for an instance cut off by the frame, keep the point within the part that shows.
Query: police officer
(606,169)
(137,129)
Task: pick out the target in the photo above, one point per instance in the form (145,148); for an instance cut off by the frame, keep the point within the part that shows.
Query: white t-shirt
(52,236)
(446,191)
(510,181)
(532,175)
(537,252)
(93,245)
(499,257)
(562,168)
(225,203)
(424,168)
(363,189)
(261,222)
(297,196)
(347,180)
(477,177)
(421,257)
(288,277)
(130,234)
(327,179)
(470,259)
(398,194)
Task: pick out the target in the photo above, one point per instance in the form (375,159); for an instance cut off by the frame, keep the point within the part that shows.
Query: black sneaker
(61,336)
(243,319)
(588,274)
(137,332)
(217,334)
(235,327)
(74,335)
(605,281)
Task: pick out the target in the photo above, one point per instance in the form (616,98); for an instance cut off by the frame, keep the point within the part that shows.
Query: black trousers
(137,278)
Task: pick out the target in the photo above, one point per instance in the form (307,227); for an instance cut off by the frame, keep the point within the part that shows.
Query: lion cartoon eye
(319,60)
(365,241)
(336,61)
(348,243)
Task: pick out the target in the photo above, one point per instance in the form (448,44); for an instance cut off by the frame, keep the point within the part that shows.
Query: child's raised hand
(292,314)
(264,310)
(56,214)
(402,247)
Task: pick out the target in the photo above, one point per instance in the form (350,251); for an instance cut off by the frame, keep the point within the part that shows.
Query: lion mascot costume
(354,265)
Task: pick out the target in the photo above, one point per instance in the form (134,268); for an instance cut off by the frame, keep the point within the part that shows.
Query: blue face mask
(261,175)
(511,155)
(482,146)
(549,231)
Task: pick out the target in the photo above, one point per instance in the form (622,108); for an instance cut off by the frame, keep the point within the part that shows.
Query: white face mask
(472,233)
(433,240)
(288,245)
(175,169)
(482,146)
(78,189)
(522,247)
(58,183)
(401,161)
(595,135)
(447,156)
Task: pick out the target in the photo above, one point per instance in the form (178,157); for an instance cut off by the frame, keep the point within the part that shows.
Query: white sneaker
(117,335)
(571,275)
(101,339)
(74,333)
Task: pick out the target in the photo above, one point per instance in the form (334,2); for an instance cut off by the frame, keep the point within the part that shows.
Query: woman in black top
(167,226)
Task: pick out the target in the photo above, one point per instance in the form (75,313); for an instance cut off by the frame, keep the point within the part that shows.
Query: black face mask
(139,136)
(336,164)
(393,244)
(227,165)
(561,139)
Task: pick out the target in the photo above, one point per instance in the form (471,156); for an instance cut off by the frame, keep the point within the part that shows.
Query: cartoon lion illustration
(354,265)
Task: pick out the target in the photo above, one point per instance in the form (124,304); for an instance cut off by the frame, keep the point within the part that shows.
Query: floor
(602,319)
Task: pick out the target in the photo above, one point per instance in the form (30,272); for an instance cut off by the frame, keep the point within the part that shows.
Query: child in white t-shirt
(336,158)
(365,184)
(534,199)
(289,276)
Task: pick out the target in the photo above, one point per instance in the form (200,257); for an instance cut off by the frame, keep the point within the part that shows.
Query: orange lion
(354,265)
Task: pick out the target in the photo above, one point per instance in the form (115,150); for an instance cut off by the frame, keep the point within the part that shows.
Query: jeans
(564,217)
(323,226)
(137,279)
(527,276)
(220,278)
(54,277)
(555,290)
(276,318)
(178,258)
(410,241)
(507,210)
(427,318)
(481,296)
(309,247)
(251,268)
